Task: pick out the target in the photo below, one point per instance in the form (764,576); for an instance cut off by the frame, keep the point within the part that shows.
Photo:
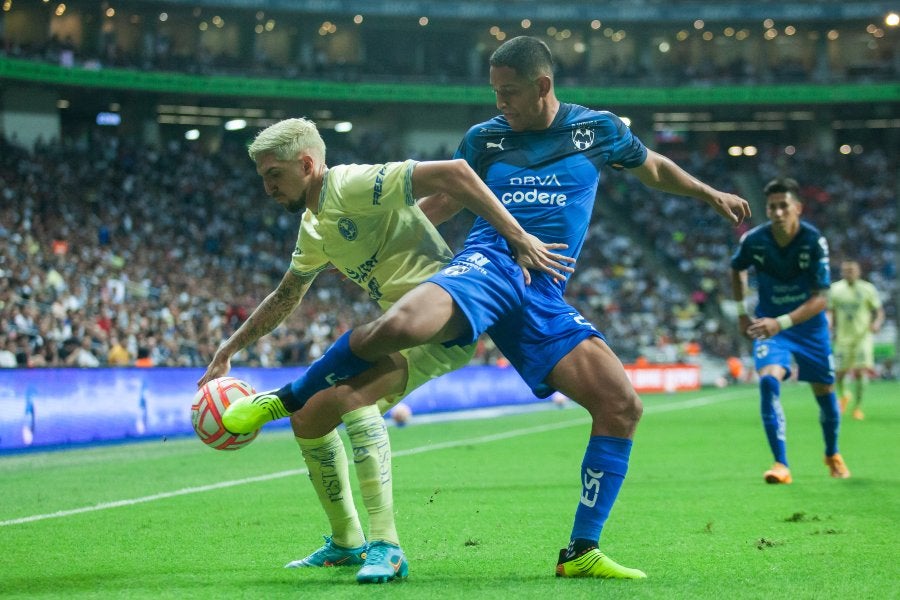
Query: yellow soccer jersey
(369,226)
(852,307)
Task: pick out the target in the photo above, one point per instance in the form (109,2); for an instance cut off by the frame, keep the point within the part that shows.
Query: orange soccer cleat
(836,466)
(843,401)
(779,473)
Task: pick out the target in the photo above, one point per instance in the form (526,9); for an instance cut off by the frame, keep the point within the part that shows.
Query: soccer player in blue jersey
(543,159)
(793,275)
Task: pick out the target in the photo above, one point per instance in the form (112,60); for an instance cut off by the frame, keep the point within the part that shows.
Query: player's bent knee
(617,414)
(630,409)
(636,408)
(297,424)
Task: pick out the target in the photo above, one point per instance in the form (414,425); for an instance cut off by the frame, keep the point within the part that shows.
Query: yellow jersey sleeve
(309,256)
(369,226)
(368,188)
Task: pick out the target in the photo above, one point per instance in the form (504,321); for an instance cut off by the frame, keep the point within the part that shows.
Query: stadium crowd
(117,253)
(386,55)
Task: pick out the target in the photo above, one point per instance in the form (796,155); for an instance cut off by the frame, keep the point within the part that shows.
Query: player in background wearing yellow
(793,274)
(856,313)
(364,220)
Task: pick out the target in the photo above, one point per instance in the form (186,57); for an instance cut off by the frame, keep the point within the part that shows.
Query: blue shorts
(811,350)
(531,325)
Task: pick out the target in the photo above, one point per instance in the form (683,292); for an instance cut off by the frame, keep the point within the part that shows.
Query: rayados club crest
(583,138)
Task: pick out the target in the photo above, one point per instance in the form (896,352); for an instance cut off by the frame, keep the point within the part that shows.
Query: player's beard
(295,206)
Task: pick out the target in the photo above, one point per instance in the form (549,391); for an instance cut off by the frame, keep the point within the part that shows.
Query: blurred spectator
(82,356)
(118,355)
(143,358)
(7,354)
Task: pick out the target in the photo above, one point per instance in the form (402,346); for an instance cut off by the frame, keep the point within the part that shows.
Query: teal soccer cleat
(331,555)
(384,563)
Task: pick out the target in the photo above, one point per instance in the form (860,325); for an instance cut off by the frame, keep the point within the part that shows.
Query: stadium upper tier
(640,11)
(596,46)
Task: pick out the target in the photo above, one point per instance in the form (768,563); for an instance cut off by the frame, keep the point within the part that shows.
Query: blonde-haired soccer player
(364,220)
(856,313)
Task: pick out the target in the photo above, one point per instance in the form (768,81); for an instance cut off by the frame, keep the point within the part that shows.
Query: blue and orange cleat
(331,555)
(384,562)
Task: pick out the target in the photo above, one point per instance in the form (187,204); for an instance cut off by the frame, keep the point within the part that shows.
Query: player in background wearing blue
(543,159)
(363,220)
(793,275)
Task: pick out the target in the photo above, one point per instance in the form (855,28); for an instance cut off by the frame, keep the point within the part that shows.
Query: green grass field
(483,507)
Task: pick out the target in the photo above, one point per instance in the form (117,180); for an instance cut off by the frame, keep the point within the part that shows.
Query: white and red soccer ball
(401,414)
(209,405)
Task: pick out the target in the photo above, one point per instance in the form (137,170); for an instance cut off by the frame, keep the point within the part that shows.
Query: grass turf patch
(483,507)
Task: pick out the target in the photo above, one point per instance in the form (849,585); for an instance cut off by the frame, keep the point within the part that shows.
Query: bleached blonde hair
(287,139)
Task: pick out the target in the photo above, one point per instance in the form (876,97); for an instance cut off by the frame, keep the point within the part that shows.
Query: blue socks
(830,418)
(602,473)
(338,363)
(773,416)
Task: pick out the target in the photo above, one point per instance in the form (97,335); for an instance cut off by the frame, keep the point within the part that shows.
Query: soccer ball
(210,403)
(401,414)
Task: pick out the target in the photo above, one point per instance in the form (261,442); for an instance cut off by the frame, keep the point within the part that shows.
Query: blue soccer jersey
(786,277)
(548,179)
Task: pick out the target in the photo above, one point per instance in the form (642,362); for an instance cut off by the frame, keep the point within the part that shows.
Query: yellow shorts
(426,363)
(854,354)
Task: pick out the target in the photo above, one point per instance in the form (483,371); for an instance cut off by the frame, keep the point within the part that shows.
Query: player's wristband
(741,309)
(784,321)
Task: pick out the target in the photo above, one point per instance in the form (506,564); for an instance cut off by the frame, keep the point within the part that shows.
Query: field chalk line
(693,403)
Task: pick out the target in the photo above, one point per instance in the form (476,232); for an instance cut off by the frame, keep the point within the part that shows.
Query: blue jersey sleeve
(822,275)
(628,151)
(740,260)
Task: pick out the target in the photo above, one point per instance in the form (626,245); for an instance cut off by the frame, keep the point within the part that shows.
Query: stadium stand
(158,247)
(168,250)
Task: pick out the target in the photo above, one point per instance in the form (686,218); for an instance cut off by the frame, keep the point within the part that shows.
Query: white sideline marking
(151,498)
(693,403)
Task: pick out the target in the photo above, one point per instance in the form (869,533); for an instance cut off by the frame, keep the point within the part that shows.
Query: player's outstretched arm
(878,321)
(264,319)
(661,173)
(439,208)
(456,178)
(739,292)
